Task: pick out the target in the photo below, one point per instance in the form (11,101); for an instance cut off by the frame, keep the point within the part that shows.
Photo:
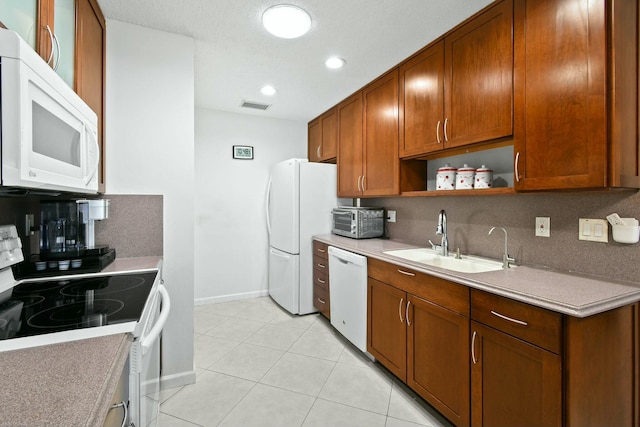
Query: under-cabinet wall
(469,219)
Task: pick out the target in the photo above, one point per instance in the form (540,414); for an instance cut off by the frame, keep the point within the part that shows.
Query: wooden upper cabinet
(459,90)
(329,135)
(314,139)
(381,165)
(578,91)
(421,112)
(563,70)
(323,137)
(350,146)
(90,68)
(479,78)
(368,162)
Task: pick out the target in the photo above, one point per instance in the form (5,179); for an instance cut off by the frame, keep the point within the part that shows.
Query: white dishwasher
(348,295)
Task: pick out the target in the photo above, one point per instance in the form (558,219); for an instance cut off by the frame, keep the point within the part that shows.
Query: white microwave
(48,134)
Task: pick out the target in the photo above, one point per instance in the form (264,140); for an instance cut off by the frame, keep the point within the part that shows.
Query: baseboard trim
(177,380)
(231,297)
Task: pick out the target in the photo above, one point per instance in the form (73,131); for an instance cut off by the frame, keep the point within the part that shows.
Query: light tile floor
(257,365)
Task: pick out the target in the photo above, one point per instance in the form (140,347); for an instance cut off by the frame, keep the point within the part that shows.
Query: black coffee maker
(67,239)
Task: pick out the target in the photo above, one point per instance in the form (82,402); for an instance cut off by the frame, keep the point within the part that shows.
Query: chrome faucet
(506,259)
(443,247)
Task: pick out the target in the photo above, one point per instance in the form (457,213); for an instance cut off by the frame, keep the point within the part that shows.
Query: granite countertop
(122,265)
(567,293)
(68,384)
(62,385)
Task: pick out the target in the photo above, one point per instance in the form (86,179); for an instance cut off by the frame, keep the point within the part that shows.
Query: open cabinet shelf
(418,176)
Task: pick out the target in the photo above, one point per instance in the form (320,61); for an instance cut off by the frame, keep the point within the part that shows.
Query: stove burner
(115,283)
(38,287)
(29,300)
(77,314)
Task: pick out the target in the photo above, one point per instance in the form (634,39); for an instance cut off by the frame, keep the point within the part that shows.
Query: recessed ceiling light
(268,90)
(334,62)
(286,21)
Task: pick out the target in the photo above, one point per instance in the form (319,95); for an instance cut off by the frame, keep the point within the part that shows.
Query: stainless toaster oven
(358,223)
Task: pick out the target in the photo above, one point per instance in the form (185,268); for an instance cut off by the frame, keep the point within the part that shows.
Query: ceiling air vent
(254,105)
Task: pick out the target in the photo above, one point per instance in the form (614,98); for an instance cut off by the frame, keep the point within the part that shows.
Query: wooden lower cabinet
(438,358)
(321,299)
(386,329)
(514,383)
(422,342)
(485,360)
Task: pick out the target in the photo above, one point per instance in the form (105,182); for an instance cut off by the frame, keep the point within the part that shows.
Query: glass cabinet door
(21,16)
(65,31)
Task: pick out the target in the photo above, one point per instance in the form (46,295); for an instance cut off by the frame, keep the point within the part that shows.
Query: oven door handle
(147,341)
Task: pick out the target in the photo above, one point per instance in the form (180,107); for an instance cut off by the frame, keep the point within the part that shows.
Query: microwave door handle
(147,341)
(97,163)
(56,63)
(52,44)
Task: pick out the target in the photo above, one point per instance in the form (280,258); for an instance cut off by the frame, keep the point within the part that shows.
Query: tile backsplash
(134,226)
(471,217)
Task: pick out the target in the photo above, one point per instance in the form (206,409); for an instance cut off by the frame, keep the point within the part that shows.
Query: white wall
(231,243)
(149,138)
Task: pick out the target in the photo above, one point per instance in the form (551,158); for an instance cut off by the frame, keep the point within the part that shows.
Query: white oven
(48,134)
(144,364)
(42,311)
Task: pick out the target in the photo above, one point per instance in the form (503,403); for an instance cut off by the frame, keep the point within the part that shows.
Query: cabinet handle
(363,186)
(321,281)
(318,151)
(406,273)
(473,348)
(446,138)
(359,178)
(510,319)
(400,310)
(515,166)
(321,266)
(321,301)
(406,313)
(321,250)
(52,43)
(438,132)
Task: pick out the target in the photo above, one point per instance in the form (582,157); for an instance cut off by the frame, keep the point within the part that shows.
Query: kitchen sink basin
(466,264)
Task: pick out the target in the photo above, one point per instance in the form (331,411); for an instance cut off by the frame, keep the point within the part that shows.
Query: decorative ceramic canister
(446,178)
(464,178)
(484,177)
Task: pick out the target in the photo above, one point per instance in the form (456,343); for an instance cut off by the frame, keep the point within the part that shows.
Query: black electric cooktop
(59,305)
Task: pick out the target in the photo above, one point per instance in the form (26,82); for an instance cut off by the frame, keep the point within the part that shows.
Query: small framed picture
(243,152)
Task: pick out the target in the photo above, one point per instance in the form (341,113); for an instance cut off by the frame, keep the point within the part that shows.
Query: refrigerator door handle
(274,253)
(266,207)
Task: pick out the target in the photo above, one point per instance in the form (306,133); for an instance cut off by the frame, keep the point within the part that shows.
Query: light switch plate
(593,230)
(543,226)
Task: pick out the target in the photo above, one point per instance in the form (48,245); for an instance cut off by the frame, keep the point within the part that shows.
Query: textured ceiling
(235,56)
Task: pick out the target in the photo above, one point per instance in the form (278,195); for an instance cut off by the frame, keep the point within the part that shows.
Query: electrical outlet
(543,226)
(391,216)
(593,230)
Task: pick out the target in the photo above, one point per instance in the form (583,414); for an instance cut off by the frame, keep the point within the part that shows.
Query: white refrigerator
(300,197)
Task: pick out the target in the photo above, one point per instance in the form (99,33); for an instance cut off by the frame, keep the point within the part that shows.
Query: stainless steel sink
(466,263)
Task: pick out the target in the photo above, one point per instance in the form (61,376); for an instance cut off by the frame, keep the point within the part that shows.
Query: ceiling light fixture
(334,62)
(286,21)
(268,90)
